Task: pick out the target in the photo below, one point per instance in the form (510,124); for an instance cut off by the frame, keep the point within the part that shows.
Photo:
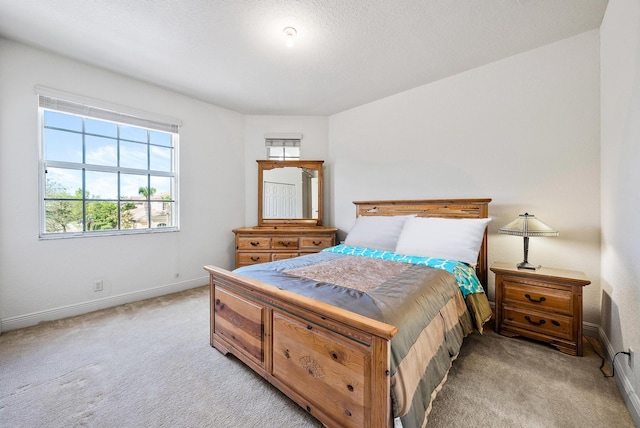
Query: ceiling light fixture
(289,33)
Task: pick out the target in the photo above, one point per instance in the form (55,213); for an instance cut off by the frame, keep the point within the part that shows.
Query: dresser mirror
(289,193)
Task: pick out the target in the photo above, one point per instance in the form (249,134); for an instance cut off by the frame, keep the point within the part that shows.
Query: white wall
(314,146)
(523,131)
(620,47)
(46,279)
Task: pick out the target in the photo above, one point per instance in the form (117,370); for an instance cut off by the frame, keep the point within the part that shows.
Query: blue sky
(66,144)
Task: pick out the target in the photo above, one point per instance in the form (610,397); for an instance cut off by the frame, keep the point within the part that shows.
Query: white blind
(105,114)
(77,104)
(281,142)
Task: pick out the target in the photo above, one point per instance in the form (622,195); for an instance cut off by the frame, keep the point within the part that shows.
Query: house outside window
(105,172)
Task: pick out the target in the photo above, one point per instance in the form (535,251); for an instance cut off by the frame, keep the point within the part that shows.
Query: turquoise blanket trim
(465,275)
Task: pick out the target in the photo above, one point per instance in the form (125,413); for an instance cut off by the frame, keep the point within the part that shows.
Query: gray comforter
(424,303)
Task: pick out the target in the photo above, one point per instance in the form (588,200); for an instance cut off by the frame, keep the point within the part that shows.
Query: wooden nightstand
(543,304)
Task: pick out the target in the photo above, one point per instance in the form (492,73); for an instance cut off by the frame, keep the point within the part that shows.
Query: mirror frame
(266,165)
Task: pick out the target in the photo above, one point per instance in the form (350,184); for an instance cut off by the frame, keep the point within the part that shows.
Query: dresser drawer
(265,244)
(540,322)
(541,298)
(244,259)
(283,256)
(284,243)
(253,242)
(316,242)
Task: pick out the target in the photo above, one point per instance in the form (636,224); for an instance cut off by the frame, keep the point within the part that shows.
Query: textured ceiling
(232,53)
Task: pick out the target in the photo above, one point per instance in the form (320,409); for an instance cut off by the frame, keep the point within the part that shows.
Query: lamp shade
(527,225)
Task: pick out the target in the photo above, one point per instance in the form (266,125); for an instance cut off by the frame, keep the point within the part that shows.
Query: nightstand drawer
(549,324)
(542,298)
(254,243)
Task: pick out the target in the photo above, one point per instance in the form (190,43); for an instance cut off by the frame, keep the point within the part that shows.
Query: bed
(356,335)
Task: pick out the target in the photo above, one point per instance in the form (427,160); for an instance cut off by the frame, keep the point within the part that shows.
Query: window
(283,148)
(105,172)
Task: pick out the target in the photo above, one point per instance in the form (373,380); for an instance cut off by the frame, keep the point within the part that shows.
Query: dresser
(543,304)
(262,244)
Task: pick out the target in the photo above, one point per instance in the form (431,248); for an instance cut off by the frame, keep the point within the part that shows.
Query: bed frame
(332,362)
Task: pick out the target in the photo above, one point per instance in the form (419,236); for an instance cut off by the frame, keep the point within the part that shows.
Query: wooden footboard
(332,362)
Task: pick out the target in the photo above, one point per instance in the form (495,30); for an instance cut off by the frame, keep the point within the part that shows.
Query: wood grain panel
(245,259)
(240,322)
(540,322)
(316,242)
(537,297)
(329,369)
(254,243)
(284,243)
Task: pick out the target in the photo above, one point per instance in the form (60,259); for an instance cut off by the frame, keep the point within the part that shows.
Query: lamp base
(527,265)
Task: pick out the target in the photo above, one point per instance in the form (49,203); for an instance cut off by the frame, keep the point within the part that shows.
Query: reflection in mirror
(290,193)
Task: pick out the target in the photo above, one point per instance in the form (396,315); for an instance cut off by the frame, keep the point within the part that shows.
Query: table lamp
(527,225)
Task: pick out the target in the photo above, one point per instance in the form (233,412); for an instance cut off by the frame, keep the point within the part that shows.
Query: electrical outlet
(631,357)
(97,285)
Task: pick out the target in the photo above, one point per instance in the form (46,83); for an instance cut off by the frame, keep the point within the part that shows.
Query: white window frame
(281,142)
(53,100)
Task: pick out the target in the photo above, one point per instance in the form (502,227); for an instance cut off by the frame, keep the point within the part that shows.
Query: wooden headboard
(448,208)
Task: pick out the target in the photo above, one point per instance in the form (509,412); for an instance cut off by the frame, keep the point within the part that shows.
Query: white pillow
(443,238)
(377,232)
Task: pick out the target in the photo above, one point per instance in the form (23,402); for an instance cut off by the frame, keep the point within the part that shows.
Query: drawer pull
(533,322)
(284,243)
(316,243)
(255,243)
(255,259)
(542,299)
(556,323)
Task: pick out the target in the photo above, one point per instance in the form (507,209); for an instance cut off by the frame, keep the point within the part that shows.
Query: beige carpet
(149,364)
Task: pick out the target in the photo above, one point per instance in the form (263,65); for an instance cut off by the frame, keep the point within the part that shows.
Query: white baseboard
(591,330)
(629,394)
(27,320)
